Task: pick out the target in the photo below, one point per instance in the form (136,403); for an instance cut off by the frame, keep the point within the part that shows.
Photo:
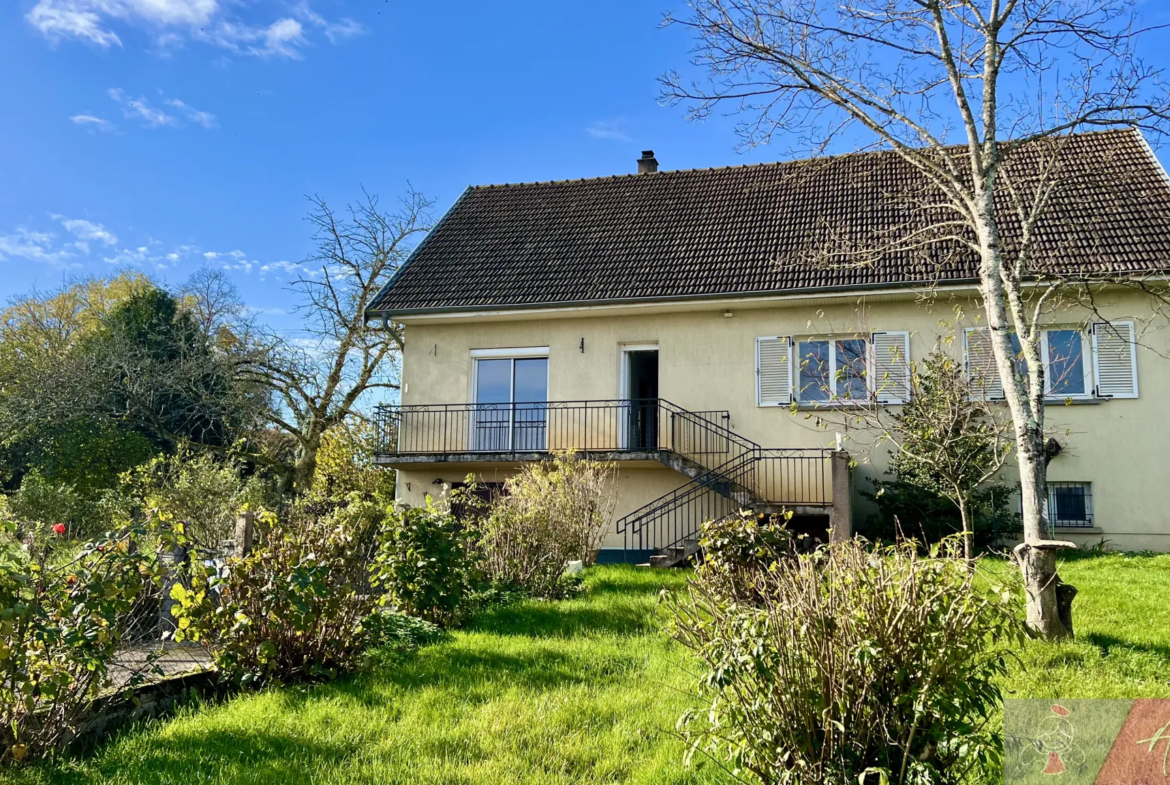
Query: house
(693,327)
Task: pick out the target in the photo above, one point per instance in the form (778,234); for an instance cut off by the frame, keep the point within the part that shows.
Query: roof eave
(372,313)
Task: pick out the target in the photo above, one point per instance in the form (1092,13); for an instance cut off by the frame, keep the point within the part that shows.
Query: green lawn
(585,690)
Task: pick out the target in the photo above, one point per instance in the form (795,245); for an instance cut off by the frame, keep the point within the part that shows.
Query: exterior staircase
(739,475)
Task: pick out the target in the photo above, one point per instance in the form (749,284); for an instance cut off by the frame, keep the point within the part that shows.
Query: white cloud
(281,267)
(90,121)
(172,22)
(36,247)
(152,117)
(88,230)
(608,129)
(205,119)
(334,31)
(91,19)
(140,109)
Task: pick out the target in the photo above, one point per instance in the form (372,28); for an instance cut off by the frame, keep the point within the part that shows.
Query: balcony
(727,472)
(604,430)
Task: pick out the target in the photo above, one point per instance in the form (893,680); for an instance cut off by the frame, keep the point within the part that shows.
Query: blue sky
(167,134)
(151,133)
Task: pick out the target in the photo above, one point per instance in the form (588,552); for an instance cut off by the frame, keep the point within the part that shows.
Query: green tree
(946,440)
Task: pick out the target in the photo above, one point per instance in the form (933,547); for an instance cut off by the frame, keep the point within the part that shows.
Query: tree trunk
(1049,601)
(1026,402)
(968,533)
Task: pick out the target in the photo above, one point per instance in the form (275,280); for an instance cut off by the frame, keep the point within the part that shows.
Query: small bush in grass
(61,623)
(425,565)
(851,664)
(549,514)
(294,608)
(398,632)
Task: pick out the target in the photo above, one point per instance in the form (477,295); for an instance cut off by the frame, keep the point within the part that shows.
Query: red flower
(1060,710)
(59,528)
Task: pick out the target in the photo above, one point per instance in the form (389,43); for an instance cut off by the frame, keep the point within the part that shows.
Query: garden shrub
(203,492)
(346,468)
(549,514)
(426,564)
(40,503)
(61,623)
(740,547)
(856,664)
(294,608)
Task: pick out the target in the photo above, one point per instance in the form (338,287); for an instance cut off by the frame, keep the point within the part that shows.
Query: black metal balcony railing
(552,426)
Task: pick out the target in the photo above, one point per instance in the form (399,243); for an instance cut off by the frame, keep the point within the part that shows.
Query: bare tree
(320,378)
(979,97)
(213,302)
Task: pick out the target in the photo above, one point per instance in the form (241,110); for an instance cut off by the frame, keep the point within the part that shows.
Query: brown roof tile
(754,230)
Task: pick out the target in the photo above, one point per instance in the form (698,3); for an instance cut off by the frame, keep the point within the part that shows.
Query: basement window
(1070,505)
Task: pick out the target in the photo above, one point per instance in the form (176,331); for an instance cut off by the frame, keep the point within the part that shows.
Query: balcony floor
(640,458)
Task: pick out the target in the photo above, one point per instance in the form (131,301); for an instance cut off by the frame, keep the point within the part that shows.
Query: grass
(585,690)
(1122,622)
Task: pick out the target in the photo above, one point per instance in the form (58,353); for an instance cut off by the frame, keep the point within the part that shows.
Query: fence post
(245,523)
(841,517)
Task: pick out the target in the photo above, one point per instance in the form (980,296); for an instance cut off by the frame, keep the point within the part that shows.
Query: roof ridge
(701,169)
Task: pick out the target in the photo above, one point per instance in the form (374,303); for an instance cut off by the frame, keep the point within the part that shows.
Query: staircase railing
(677,515)
(760,478)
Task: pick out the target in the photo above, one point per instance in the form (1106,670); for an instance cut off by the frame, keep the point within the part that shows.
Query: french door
(511,405)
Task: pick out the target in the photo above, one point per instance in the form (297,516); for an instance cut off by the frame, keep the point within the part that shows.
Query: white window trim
(1088,364)
(509,353)
(833,400)
(473,395)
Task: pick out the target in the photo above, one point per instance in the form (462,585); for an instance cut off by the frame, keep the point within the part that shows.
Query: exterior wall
(707,361)
(636,486)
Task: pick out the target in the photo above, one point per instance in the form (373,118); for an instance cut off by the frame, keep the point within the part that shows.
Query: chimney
(647,164)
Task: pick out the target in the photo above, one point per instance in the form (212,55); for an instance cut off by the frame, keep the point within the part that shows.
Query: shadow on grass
(1107,643)
(261,756)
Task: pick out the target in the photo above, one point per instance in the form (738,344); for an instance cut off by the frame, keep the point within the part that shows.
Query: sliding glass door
(511,405)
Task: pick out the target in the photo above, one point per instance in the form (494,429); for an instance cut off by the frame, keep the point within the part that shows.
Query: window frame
(1087,365)
(478,410)
(833,399)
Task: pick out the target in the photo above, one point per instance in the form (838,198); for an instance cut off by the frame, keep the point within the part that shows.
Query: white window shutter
(1115,359)
(891,367)
(979,362)
(774,371)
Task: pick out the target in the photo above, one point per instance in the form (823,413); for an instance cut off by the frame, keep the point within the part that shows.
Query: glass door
(511,405)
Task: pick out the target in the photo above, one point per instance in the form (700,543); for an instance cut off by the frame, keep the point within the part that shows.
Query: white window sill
(836,405)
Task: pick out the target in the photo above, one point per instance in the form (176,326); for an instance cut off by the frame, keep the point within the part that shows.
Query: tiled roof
(756,230)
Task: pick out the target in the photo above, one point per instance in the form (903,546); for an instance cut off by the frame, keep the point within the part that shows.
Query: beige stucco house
(685,325)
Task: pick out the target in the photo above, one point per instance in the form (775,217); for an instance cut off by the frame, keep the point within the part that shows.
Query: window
(874,367)
(1073,360)
(1068,373)
(1070,504)
(510,410)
